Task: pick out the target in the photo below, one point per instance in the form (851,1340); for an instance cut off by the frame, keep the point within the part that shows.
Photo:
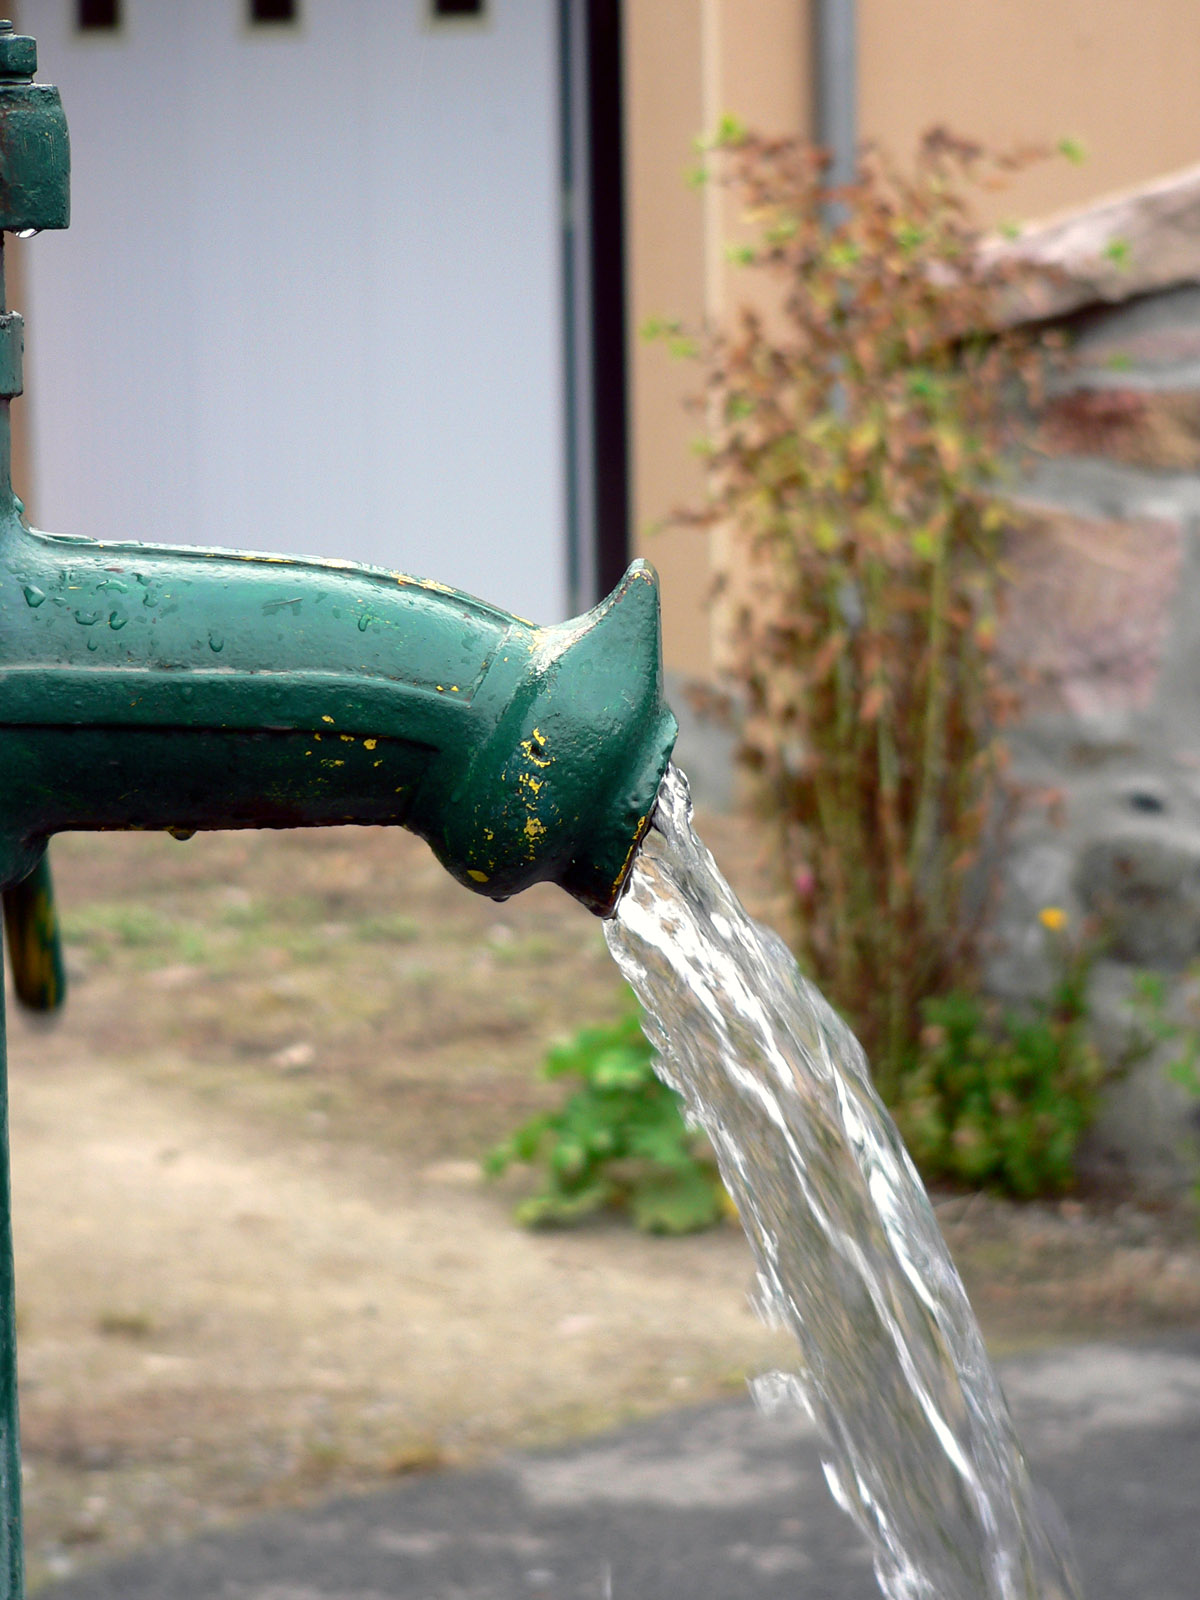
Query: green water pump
(171,688)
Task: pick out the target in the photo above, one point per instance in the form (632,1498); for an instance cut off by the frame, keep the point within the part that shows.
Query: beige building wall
(687,62)
(1118,76)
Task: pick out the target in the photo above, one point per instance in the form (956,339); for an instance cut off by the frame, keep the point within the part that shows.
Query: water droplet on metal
(28,233)
(33,595)
(117,620)
(91,644)
(87,619)
(182,834)
(364,622)
(216,640)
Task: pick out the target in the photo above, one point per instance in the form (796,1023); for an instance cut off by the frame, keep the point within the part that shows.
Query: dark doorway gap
(610,377)
(97,16)
(268,12)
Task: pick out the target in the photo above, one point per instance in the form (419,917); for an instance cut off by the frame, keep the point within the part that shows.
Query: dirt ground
(256,1261)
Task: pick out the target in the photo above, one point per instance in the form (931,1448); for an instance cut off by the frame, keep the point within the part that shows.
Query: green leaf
(619,1139)
(660,328)
(844,253)
(667,1141)
(910,236)
(619,1068)
(782,231)
(568,1159)
(678,1203)
(730,131)
(923,543)
(922,384)
(554,1209)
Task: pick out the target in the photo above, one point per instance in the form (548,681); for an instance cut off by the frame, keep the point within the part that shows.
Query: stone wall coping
(1136,242)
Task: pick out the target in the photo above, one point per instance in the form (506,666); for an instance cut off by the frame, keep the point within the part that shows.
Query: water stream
(917,1440)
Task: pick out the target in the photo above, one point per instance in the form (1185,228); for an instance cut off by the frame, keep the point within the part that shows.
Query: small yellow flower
(1053,917)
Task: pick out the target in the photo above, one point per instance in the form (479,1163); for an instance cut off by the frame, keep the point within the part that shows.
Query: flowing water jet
(918,1444)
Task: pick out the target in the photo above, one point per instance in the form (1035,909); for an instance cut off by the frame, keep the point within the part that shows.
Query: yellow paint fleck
(534,749)
(325,718)
(346,738)
(643,823)
(369,744)
(378,763)
(474,872)
(534,828)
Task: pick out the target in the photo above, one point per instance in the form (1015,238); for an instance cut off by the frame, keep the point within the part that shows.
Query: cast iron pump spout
(154,687)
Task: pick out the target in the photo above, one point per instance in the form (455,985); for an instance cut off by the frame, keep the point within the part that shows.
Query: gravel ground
(256,1261)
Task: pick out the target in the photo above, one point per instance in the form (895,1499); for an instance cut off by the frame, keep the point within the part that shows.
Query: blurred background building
(364,277)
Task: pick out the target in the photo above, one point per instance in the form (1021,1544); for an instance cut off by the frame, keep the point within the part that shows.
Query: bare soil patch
(256,1262)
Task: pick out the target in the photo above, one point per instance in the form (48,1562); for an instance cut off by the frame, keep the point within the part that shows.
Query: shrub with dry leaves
(856,420)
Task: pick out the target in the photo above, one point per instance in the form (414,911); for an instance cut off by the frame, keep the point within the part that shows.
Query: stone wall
(1104,621)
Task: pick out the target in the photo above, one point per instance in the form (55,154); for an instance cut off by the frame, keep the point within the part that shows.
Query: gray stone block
(1143,889)
(1148,1130)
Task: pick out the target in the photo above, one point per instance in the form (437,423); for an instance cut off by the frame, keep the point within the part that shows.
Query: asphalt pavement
(716,1503)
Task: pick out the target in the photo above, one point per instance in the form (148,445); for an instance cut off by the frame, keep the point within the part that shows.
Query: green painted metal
(153,687)
(35,153)
(147,686)
(12,1557)
(34,946)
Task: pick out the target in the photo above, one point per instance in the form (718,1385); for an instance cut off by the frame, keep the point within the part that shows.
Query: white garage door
(310,298)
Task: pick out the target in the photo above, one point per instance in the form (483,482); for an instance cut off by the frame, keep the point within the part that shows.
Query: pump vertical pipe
(12,1564)
(34,195)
